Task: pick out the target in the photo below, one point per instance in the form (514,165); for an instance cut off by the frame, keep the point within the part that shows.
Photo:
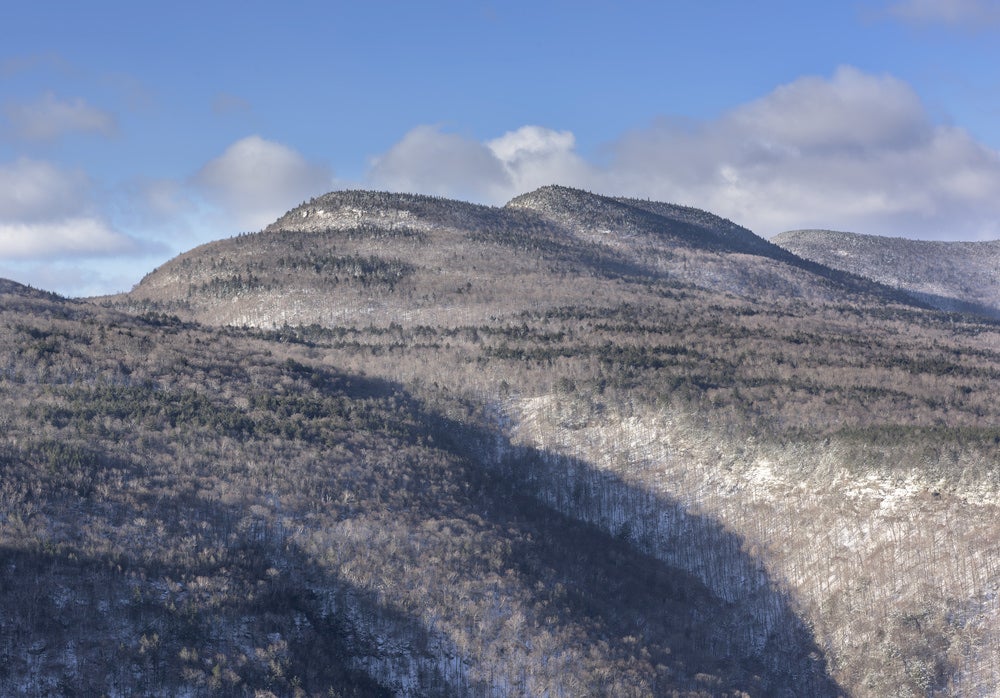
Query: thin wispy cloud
(50,118)
(17,65)
(161,200)
(226,103)
(973,14)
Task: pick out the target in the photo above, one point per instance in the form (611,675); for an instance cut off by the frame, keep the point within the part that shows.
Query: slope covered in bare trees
(379,258)
(197,511)
(572,446)
(962,276)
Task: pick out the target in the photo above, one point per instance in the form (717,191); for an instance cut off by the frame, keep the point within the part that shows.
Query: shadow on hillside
(636,564)
(265,617)
(951,304)
(644,564)
(698,605)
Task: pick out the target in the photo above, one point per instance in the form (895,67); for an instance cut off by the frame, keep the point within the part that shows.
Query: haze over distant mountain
(956,276)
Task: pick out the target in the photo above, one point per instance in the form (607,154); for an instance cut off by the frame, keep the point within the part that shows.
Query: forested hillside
(378,258)
(195,510)
(954,276)
(398,445)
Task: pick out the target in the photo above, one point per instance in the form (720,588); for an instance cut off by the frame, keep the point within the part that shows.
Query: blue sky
(132,131)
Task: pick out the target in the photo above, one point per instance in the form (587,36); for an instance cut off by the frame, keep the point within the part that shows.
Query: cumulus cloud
(429,161)
(50,118)
(256,180)
(850,111)
(958,13)
(82,236)
(852,151)
(34,190)
(856,151)
(47,212)
(534,156)
(531,142)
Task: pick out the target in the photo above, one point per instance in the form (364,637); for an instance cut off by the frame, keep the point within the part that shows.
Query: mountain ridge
(425,256)
(957,276)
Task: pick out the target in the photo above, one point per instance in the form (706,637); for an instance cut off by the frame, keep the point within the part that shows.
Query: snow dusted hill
(954,276)
(575,444)
(373,257)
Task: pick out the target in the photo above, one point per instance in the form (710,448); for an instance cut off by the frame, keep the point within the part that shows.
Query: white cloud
(256,180)
(959,13)
(534,156)
(446,164)
(50,118)
(530,142)
(47,212)
(430,161)
(34,190)
(854,151)
(851,110)
(63,238)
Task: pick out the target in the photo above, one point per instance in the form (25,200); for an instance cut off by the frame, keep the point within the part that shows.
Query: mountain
(368,257)
(575,445)
(953,276)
